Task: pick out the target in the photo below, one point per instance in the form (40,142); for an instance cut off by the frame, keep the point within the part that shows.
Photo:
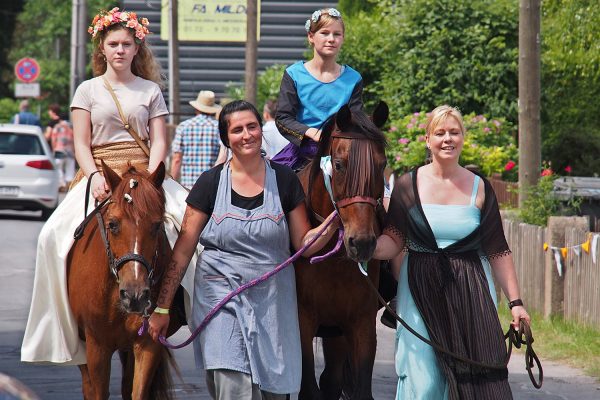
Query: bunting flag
(594,246)
(577,250)
(557,256)
(560,253)
(564,251)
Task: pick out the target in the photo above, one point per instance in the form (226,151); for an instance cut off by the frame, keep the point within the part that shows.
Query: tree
(8,13)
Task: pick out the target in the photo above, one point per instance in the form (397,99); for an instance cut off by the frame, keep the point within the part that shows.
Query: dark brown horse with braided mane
(333,295)
(114,273)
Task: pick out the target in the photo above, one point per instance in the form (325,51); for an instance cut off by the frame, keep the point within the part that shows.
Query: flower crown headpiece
(104,19)
(317,14)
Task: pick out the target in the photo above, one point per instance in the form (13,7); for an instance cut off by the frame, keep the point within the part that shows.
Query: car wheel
(46,212)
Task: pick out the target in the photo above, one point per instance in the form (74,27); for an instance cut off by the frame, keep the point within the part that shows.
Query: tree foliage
(571,85)
(418,54)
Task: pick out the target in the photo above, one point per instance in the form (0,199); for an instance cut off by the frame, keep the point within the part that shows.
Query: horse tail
(162,384)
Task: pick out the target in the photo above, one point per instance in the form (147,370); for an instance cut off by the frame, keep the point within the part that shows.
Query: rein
(515,337)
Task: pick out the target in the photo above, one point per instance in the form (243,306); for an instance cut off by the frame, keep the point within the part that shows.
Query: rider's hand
(518,313)
(159,323)
(314,134)
(99,187)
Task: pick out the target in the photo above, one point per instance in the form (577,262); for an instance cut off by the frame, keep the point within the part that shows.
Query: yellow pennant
(563,251)
(545,246)
(586,246)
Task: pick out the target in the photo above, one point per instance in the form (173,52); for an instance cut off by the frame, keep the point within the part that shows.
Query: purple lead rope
(248,285)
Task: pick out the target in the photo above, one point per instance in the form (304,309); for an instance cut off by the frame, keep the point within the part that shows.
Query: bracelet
(160,310)
(514,303)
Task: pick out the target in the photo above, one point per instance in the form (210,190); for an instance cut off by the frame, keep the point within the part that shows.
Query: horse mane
(358,182)
(148,202)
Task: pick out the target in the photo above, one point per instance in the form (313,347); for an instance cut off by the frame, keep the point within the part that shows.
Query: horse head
(133,222)
(356,148)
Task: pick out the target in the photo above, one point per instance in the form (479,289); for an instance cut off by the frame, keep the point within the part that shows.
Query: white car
(29,179)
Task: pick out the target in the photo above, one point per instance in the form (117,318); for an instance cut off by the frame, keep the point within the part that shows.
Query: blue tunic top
(419,375)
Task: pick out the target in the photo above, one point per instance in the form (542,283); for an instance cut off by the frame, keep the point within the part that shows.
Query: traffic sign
(27,89)
(27,70)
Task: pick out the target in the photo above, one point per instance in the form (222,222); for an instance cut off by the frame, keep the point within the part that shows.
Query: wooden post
(553,282)
(251,50)
(529,96)
(173,55)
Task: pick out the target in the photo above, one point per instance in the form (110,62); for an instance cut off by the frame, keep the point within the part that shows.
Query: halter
(114,264)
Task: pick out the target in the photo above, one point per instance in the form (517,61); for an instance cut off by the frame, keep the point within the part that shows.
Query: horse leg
(335,353)
(308,388)
(127,363)
(363,344)
(86,385)
(148,356)
(98,366)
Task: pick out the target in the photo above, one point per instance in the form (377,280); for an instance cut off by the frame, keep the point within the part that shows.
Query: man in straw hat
(196,144)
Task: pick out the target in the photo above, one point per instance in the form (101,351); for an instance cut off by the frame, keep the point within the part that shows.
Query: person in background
(447,220)
(54,114)
(196,144)
(273,141)
(62,142)
(313,91)
(24,116)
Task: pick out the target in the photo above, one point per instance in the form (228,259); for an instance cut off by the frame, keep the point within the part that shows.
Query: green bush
(267,86)
(8,108)
(489,143)
(419,54)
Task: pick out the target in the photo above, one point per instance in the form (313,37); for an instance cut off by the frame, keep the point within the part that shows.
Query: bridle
(114,264)
(349,199)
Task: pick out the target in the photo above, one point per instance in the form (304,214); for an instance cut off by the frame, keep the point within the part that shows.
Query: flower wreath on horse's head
(104,19)
(317,14)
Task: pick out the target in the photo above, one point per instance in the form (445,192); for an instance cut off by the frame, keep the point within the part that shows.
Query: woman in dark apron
(246,213)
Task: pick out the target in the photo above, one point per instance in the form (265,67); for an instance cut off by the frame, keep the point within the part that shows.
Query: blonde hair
(144,64)
(440,114)
(324,19)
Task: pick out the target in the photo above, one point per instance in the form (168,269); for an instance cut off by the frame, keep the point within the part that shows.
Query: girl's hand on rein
(519,313)
(158,325)
(100,189)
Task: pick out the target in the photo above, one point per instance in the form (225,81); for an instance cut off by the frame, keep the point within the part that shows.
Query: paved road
(18,236)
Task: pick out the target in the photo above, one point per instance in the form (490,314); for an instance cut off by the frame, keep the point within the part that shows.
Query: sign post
(27,70)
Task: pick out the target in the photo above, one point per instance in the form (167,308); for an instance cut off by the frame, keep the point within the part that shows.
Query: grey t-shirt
(141,100)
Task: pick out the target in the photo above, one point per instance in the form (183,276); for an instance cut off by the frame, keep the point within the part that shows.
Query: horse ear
(158,176)
(112,178)
(343,118)
(381,114)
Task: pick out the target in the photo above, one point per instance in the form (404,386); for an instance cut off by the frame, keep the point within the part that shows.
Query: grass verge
(564,341)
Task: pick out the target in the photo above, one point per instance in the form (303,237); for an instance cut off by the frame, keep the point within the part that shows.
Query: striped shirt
(198,141)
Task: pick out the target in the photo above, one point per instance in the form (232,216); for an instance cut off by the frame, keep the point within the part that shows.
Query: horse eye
(113,226)
(338,165)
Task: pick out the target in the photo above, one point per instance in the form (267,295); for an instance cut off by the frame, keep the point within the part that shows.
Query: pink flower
(398,158)
(139,33)
(510,165)
(410,126)
(422,126)
(392,128)
(546,172)
(132,23)
(403,140)
(145,21)
(421,138)
(568,169)
(416,114)
(486,129)
(114,10)
(497,123)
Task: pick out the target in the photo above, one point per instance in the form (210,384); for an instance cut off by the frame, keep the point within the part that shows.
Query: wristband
(160,310)
(514,303)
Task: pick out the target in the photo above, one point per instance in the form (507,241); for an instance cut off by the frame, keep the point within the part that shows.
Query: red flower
(568,169)
(546,172)
(509,165)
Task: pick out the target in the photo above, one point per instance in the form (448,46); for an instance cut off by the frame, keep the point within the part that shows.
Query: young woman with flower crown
(122,61)
(312,91)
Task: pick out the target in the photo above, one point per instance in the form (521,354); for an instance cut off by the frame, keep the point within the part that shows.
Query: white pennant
(557,257)
(594,245)
(577,250)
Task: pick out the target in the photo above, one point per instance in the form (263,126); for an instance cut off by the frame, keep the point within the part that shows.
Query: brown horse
(334,295)
(114,273)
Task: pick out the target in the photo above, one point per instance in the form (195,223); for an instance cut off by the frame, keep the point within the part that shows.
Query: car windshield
(19,143)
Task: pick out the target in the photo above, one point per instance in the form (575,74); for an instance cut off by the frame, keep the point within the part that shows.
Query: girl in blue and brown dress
(312,91)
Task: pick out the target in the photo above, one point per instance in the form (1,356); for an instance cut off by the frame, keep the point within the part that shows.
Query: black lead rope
(516,338)
(88,217)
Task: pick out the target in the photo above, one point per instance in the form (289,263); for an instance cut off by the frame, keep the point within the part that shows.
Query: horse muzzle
(134,300)
(360,248)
